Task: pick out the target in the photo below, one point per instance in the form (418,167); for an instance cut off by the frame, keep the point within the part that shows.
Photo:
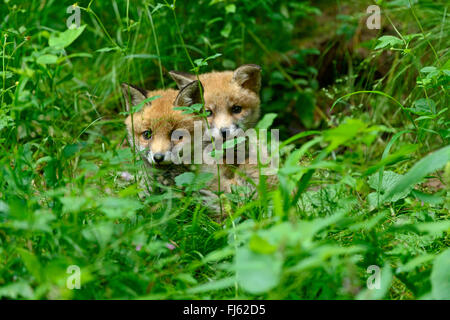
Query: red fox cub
(231,98)
(157,130)
(233,105)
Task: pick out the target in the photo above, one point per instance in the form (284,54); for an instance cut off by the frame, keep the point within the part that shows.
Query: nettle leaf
(436,228)
(17,289)
(119,207)
(409,37)
(440,276)
(346,131)
(389,180)
(232,142)
(226,30)
(420,170)
(257,273)
(388,41)
(415,262)
(74,204)
(423,107)
(433,199)
(230,8)
(5,121)
(47,59)
(193,182)
(184,179)
(203,62)
(195,108)
(72,149)
(428,69)
(266,121)
(260,245)
(100,233)
(61,40)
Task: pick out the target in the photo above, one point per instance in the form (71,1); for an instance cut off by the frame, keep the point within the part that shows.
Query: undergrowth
(364,174)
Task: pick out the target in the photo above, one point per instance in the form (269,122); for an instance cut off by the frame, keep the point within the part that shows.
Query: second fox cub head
(157,130)
(231,97)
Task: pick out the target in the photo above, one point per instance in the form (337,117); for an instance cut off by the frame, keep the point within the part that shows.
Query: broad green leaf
(16,290)
(425,166)
(73,204)
(428,69)
(257,273)
(423,107)
(415,262)
(266,121)
(260,245)
(388,41)
(434,228)
(119,207)
(226,30)
(100,233)
(232,142)
(195,108)
(184,179)
(61,40)
(440,276)
(390,178)
(344,132)
(433,199)
(47,59)
(230,8)
(31,262)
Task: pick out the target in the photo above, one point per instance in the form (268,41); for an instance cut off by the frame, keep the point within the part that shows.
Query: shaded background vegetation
(352,190)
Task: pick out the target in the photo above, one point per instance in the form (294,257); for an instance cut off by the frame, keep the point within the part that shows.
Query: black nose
(224,132)
(158,157)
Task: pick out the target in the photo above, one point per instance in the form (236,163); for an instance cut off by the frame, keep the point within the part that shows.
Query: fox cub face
(159,131)
(231,98)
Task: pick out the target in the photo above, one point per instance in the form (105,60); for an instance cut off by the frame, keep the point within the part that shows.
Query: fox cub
(231,98)
(158,131)
(233,105)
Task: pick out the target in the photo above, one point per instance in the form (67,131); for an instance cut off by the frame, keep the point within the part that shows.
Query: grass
(364,174)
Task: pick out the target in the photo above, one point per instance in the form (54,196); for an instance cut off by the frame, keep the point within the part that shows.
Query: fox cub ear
(248,76)
(132,95)
(182,78)
(189,95)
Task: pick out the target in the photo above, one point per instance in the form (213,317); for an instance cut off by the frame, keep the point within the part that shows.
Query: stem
(89,10)
(3,69)
(156,45)
(423,32)
(172,7)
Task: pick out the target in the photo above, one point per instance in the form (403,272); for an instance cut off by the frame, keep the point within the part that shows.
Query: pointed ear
(189,95)
(248,76)
(132,95)
(181,78)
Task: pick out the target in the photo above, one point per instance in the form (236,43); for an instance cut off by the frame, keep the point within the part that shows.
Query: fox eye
(236,109)
(209,113)
(147,134)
